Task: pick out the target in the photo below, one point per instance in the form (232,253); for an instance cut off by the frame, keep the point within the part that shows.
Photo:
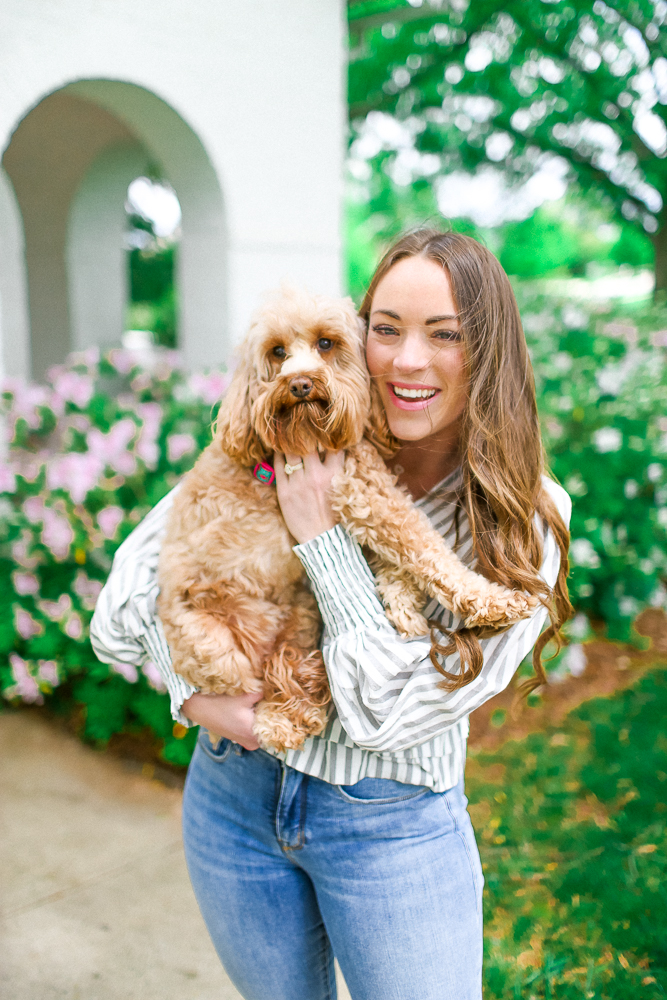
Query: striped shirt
(390,717)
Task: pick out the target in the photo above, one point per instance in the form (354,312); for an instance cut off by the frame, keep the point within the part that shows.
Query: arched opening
(70,162)
(152,238)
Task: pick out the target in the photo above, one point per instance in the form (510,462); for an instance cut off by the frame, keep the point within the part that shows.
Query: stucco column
(97,266)
(14,323)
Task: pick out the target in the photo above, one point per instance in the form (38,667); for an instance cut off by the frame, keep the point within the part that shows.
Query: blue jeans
(289,870)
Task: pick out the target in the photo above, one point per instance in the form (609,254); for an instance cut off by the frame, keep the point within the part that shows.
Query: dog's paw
(276,731)
(408,622)
(500,609)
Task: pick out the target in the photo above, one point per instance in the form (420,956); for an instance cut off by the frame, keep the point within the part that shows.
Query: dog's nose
(300,386)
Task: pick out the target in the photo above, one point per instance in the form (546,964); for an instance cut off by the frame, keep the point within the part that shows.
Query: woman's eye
(452,336)
(384,331)
(279,352)
(324,344)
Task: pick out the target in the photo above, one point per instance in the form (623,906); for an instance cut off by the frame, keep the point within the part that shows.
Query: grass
(572,829)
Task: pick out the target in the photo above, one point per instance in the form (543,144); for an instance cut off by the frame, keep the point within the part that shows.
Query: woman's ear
(233,428)
(377,428)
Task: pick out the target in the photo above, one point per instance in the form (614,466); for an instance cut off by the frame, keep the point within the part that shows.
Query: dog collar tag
(263,473)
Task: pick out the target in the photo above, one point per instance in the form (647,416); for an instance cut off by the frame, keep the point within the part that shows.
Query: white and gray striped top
(391,718)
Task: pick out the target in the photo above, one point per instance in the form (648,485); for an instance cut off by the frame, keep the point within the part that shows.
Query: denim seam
(380,802)
(329,983)
(303,794)
(285,846)
(205,744)
(459,834)
(281,789)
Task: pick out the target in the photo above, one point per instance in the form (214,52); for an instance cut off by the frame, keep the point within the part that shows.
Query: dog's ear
(377,429)
(233,427)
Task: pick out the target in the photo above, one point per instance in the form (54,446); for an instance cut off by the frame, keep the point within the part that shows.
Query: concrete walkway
(96,901)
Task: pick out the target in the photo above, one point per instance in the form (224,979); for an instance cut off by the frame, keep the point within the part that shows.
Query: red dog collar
(263,473)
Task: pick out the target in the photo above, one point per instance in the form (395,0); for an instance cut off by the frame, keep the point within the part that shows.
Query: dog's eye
(325,344)
(279,352)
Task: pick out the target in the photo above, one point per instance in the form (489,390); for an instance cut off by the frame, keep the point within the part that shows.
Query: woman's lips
(406,403)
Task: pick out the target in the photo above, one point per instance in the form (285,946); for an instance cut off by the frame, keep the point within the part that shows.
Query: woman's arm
(126,629)
(385,689)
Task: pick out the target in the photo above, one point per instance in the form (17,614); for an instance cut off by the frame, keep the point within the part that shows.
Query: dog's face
(302,383)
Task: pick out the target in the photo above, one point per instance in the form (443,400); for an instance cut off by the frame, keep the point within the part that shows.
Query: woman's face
(414,351)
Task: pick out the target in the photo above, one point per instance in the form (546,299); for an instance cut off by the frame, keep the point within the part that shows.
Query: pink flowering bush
(83,458)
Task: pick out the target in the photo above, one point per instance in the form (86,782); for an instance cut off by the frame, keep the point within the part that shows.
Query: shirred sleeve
(385,688)
(126,627)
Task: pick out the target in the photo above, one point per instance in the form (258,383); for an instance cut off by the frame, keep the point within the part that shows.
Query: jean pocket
(217,750)
(380,791)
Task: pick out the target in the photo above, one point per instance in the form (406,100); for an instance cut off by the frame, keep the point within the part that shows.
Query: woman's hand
(230,716)
(305,495)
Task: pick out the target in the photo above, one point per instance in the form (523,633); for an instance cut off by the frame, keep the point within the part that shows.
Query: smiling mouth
(404,393)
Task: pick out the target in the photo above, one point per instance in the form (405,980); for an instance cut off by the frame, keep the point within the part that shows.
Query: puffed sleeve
(386,691)
(126,627)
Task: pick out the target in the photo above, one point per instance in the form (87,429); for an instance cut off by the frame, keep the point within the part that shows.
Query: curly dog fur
(237,610)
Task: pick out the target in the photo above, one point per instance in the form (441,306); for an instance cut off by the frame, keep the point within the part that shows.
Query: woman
(360,843)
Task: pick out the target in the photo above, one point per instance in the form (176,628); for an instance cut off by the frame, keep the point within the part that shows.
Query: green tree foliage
(538,245)
(478,83)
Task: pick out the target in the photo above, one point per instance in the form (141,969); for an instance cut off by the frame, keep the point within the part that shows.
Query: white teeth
(414,393)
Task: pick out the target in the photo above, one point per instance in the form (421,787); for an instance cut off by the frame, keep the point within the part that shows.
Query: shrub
(602,391)
(88,455)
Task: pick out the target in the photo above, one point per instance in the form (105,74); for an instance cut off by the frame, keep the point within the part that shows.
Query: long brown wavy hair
(502,454)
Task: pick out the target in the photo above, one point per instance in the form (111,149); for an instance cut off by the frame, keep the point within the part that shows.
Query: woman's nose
(413,353)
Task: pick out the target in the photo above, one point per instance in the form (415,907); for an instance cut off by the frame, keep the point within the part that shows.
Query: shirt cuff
(155,644)
(342,582)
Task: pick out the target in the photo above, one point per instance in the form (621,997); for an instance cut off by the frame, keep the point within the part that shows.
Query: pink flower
(57,533)
(79,421)
(71,387)
(123,360)
(25,583)
(7,479)
(111,448)
(76,472)
(146,446)
(141,381)
(48,672)
(153,676)
(26,686)
(210,387)
(20,552)
(27,398)
(622,331)
(87,589)
(30,466)
(108,519)
(56,610)
(659,338)
(26,626)
(179,445)
(90,357)
(126,670)
(33,508)
(74,626)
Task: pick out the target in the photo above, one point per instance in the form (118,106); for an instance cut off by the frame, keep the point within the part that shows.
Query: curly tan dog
(237,610)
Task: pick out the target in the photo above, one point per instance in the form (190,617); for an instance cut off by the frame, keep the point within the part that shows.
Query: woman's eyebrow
(438,319)
(386,312)
(429,322)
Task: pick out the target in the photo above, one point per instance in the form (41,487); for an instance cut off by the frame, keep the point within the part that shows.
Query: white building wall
(261,86)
